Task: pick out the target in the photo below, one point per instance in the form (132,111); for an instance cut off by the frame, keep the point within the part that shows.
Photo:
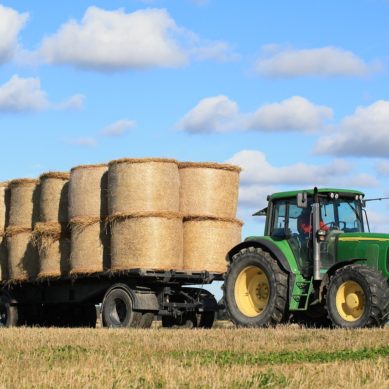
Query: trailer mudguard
(144,301)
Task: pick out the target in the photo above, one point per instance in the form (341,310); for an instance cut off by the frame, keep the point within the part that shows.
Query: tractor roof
(282,195)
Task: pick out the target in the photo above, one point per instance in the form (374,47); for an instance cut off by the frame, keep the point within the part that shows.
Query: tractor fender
(271,248)
(265,245)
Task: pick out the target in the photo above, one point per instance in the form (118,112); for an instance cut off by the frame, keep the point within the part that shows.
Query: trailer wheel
(147,320)
(206,319)
(186,320)
(8,312)
(117,309)
(255,289)
(357,296)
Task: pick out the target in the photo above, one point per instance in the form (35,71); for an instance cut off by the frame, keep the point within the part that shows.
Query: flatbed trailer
(131,298)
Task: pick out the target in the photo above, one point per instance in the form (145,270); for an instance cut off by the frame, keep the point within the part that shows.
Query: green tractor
(315,264)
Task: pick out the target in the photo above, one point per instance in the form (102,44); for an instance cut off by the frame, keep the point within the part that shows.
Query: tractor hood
(363,237)
(370,248)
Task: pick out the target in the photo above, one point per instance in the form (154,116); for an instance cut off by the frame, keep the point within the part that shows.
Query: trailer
(130,298)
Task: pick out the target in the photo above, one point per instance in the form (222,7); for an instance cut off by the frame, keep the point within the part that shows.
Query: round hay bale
(23,259)
(207,242)
(151,240)
(53,243)
(4,206)
(89,246)
(54,197)
(143,185)
(3,259)
(88,191)
(24,202)
(209,189)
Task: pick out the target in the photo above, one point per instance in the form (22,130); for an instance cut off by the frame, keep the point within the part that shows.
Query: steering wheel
(331,226)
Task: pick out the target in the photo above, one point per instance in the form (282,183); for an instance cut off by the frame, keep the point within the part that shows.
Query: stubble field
(287,357)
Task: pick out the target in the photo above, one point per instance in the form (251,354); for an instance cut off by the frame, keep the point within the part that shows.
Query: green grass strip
(227,358)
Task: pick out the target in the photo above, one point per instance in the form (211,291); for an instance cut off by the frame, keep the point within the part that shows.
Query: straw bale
(89,246)
(54,257)
(148,241)
(141,185)
(88,191)
(207,242)
(209,189)
(53,243)
(24,202)
(210,165)
(4,206)
(54,197)
(3,259)
(23,259)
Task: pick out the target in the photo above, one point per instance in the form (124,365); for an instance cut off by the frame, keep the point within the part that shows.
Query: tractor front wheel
(357,296)
(255,289)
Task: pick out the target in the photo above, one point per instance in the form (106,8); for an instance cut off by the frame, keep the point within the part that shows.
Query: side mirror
(302,200)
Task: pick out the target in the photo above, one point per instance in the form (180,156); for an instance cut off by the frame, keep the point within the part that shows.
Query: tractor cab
(311,221)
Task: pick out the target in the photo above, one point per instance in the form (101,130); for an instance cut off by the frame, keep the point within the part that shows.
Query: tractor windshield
(342,214)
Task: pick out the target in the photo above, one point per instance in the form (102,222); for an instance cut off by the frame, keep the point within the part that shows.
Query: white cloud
(365,133)
(75,102)
(218,51)
(119,127)
(295,113)
(212,114)
(257,170)
(22,94)
(220,114)
(85,141)
(11,22)
(259,178)
(254,196)
(278,62)
(25,95)
(116,40)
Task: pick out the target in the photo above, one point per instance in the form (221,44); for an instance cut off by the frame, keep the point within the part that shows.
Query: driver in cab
(304,222)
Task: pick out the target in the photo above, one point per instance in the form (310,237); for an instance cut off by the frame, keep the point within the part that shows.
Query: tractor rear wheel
(357,296)
(255,289)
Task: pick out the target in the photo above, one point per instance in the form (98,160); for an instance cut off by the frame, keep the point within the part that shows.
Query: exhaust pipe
(316,243)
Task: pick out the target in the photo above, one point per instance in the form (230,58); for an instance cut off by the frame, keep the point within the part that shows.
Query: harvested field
(287,357)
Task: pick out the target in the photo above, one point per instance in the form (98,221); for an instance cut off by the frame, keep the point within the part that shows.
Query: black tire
(147,320)
(8,313)
(372,297)
(186,320)
(117,309)
(206,319)
(275,293)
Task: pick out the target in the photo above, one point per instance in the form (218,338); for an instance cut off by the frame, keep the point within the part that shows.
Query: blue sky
(294,92)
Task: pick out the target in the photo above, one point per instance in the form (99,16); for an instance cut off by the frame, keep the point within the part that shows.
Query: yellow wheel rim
(252,291)
(350,301)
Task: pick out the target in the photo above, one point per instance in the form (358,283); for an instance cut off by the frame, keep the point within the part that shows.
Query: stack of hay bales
(146,226)
(51,233)
(4,208)
(87,213)
(208,200)
(23,260)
